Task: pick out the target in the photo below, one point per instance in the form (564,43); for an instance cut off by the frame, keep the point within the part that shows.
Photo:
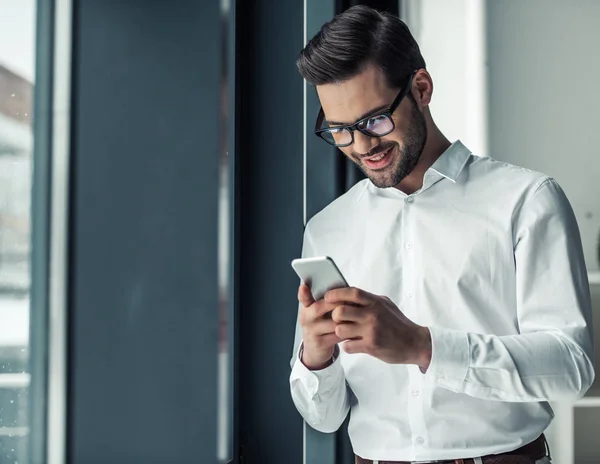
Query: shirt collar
(451,163)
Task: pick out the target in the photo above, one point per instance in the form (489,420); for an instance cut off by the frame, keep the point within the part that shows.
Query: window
(17,39)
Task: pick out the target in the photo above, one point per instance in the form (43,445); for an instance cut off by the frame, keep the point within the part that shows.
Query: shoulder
(507,179)
(340,210)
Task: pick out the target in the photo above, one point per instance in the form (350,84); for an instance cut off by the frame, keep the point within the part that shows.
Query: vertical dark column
(325,165)
(391,6)
(144,299)
(268,225)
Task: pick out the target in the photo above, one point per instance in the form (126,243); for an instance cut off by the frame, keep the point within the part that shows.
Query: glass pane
(17,41)
(225,443)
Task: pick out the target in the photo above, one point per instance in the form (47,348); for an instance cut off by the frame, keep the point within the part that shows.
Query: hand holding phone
(319,275)
(389,335)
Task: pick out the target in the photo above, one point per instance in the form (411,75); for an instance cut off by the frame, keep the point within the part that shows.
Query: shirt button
(409,294)
(410,200)
(420,440)
(415,392)
(409,246)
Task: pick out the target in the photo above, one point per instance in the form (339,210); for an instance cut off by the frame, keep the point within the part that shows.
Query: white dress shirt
(489,257)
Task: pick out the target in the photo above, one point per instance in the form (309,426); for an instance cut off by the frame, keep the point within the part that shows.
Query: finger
(348,313)
(350,295)
(353,346)
(348,330)
(330,339)
(323,327)
(304,296)
(322,308)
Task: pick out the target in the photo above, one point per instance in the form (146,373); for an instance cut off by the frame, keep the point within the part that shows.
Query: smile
(379,160)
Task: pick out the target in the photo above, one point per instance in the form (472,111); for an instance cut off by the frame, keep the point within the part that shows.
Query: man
(470,306)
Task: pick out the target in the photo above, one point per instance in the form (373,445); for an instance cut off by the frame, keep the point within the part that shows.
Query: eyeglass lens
(376,126)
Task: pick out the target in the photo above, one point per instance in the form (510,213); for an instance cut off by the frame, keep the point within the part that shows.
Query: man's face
(368,93)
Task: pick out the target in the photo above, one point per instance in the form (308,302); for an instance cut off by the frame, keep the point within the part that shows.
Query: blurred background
(156,172)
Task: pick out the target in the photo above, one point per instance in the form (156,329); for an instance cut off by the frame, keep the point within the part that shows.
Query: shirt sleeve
(321,397)
(551,359)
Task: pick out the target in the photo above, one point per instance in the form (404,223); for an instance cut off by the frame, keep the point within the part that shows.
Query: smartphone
(320,274)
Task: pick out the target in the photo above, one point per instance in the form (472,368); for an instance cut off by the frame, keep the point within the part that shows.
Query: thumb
(304,296)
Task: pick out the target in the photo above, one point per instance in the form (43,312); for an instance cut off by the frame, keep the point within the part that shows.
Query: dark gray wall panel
(269,225)
(144,299)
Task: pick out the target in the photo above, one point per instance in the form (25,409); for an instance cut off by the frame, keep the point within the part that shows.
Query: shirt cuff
(450,359)
(317,382)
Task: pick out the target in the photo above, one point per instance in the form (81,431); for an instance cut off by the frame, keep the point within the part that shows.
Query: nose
(364,143)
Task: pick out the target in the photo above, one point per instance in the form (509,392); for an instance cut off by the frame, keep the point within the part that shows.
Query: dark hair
(356,38)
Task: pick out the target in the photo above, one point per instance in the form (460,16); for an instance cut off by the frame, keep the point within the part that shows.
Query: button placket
(415,407)
(414,403)
(418,398)
(415,393)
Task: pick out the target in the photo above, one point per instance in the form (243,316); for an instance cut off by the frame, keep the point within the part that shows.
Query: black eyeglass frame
(356,126)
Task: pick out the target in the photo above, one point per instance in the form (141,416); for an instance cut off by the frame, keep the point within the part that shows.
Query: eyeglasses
(376,125)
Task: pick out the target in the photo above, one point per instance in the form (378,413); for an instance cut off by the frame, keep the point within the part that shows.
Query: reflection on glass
(17,38)
(225,360)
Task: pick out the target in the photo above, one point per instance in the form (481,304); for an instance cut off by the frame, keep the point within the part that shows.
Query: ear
(422,87)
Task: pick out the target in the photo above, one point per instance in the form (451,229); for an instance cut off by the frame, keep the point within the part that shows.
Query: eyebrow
(366,115)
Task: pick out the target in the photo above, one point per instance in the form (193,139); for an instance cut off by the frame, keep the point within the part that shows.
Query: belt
(535,450)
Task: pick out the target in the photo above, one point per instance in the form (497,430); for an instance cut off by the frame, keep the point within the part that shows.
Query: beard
(406,158)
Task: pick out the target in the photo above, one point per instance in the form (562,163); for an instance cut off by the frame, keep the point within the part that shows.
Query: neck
(435,145)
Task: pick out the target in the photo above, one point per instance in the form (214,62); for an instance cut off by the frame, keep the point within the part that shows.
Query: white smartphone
(320,274)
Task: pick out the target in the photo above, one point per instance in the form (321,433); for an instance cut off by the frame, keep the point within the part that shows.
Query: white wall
(17,36)
(451,35)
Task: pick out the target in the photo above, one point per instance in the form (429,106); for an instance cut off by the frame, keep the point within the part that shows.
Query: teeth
(377,158)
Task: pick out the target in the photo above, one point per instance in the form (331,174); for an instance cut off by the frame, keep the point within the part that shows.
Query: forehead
(349,100)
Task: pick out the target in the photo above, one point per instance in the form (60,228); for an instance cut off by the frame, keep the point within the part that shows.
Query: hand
(318,330)
(374,325)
